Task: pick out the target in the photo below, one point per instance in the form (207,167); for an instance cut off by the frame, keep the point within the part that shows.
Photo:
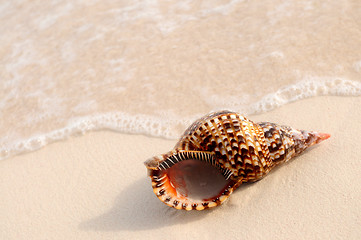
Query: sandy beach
(89,90)
(95,187)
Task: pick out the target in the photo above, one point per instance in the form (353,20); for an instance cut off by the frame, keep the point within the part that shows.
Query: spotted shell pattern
(244,151)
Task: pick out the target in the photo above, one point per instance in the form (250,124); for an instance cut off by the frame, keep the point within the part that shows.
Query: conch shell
(219,152)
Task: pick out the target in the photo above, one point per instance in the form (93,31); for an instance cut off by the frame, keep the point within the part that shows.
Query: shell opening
(191,180)
(196,180)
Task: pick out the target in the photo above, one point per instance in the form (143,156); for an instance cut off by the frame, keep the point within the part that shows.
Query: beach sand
(95,187)
(64,62)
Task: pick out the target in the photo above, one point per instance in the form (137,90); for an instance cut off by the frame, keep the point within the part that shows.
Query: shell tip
(323,136)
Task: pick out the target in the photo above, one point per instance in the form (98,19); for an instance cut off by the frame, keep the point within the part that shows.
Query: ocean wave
(151,67)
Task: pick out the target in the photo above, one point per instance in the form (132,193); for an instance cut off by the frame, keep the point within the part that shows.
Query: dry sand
(95,187)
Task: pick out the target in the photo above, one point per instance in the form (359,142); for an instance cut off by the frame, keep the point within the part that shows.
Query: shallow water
(152,67)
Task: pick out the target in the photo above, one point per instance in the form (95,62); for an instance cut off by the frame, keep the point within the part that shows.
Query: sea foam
(309,87)
(171,126)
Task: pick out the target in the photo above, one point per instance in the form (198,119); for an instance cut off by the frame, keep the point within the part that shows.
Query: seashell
(218,153)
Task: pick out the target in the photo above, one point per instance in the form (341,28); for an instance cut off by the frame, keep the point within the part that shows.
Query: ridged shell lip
(167,190)
(166,161)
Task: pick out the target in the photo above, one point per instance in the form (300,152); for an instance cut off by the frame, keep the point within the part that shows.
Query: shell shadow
(137,208)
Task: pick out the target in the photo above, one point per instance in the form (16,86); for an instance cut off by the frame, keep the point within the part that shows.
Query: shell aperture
(196,179)
(219,152)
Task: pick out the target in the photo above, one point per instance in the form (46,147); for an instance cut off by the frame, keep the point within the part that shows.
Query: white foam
(117,121)
(170,125)
(309,87)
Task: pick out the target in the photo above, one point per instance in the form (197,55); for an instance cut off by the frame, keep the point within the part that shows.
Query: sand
(95,187)
(91,57)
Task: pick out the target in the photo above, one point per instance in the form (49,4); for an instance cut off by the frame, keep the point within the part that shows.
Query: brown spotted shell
(241,150)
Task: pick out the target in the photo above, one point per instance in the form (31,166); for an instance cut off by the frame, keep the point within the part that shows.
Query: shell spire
(285,142)
(219,152)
